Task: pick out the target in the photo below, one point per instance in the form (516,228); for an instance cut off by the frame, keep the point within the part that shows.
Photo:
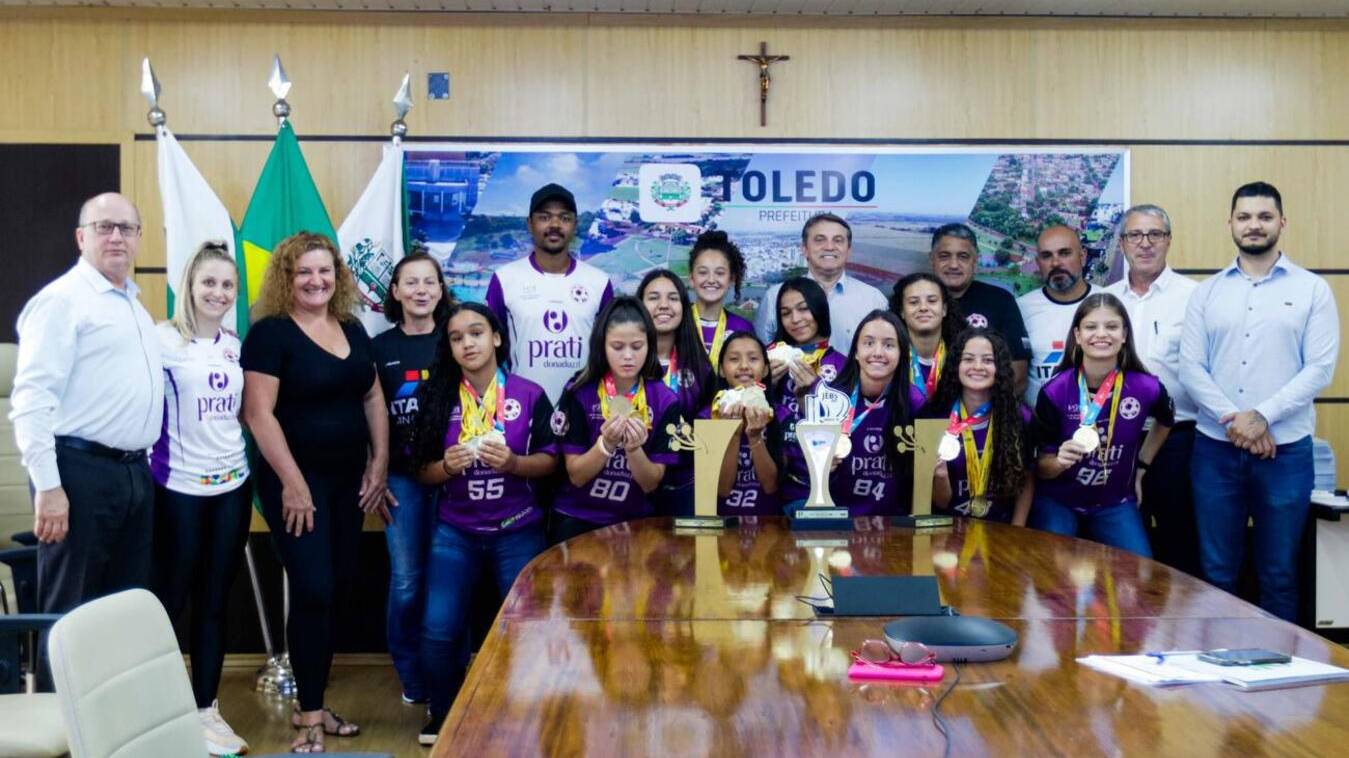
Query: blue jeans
(1117,525)
(408,537)
(458,560)
(1231,486)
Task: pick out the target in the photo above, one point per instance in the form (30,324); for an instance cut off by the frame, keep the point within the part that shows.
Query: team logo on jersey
(828,373)
(411,379)
(558,423)
(580,294)
(217,380)
(872,443)
(230,355)
(510,410)
(555,321)
(977,320)
(1129,408)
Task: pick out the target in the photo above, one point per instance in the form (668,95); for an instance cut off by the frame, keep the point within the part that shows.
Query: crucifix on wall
(764,60)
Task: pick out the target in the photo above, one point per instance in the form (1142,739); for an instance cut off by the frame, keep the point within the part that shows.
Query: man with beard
(1048,311)
(1260,341)
(547,301)
(954,256)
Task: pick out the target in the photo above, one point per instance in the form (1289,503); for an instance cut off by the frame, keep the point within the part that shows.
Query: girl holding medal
(799,356)
(483,437)
(869,480)
(613,420)
(715,266)
(932,320)
(1090,422)
(685,370)
(985,470)
(749,473)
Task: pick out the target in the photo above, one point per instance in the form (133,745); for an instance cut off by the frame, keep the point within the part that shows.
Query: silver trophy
(819,434)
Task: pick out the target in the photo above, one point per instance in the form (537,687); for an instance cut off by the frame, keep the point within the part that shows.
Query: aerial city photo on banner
(643,207)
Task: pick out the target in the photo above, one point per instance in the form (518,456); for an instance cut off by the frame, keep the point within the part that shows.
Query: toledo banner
(642,206)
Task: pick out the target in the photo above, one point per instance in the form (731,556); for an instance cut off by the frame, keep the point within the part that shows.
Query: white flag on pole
(192,214)
(372,237)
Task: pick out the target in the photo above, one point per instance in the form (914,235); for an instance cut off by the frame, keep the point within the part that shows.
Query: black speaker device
(955,638)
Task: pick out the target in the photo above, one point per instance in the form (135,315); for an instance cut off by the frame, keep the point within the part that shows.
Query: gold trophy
(820,435)
(921,439)
(708,440)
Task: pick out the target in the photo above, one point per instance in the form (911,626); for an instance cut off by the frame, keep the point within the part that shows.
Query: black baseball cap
(549,192)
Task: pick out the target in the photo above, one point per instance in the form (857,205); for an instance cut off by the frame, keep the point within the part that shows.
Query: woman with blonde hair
(315,408)
(201,474)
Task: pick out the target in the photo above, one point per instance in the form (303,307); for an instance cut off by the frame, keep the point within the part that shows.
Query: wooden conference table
(636,640)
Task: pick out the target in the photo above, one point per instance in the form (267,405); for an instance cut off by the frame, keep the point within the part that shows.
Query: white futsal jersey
(548,318)
(1047,325)
(201,447)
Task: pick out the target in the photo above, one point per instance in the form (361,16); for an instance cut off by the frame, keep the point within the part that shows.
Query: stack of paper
(1323,465)
(1186,668)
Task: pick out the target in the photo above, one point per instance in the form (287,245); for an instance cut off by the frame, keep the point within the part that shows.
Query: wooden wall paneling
(60,76)
(1332,421)
(1339,384)
(1195,185)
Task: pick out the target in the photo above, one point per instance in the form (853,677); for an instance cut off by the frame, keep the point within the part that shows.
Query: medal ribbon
(1113,385)
(814,353)
(637,395)
(718,336)
(960,421)
(671,378)
(977,464)
(480,415)
(849,422)
(926,386)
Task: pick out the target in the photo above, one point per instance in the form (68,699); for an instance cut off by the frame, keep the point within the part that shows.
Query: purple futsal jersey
(613,495)
(1106,477)
(483,499)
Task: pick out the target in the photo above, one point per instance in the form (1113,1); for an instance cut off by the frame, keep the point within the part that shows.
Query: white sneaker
(220,738)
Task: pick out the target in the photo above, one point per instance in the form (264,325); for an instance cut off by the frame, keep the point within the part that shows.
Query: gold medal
(620,407)
(979,507)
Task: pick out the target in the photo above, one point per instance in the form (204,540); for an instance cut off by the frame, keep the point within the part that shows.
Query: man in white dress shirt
(1155,297)
(826,243)
(1260,342)
(88,401)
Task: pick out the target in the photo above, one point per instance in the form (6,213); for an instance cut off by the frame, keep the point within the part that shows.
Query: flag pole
(276,676)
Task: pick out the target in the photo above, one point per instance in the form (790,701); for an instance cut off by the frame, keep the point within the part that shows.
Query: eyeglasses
(106,228)
(879,653)
(1154,236)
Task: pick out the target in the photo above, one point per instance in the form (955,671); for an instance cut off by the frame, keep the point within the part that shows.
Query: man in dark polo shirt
(954,256)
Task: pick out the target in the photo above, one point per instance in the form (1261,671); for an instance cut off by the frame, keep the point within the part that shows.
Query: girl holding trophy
(482,438)
(1091,423)
(684,369)
(799,357)
(869,479)
(749,473)
(985,469)
(614,420)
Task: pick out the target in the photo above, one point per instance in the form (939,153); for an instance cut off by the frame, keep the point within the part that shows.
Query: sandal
(310,740)
(340,726)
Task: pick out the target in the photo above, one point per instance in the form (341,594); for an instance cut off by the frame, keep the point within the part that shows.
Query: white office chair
(121,680)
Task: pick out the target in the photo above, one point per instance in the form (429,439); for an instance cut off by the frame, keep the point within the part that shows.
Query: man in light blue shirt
(1260,341)
(826,242)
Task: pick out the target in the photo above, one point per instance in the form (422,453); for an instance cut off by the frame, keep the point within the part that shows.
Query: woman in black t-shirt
(417,306)
(314,406)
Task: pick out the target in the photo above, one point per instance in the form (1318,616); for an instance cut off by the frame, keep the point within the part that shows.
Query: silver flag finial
(280,86)
(402,103)
(278,82)
(150,89)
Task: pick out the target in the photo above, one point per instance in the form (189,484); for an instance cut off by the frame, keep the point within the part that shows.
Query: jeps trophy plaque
(820,435)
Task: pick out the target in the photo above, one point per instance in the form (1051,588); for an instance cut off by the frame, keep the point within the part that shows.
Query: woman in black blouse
(314,406)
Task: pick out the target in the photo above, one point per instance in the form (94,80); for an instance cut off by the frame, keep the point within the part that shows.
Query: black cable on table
(940,721)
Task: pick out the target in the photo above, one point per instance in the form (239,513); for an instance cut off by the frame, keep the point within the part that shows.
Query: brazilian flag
(284,202)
